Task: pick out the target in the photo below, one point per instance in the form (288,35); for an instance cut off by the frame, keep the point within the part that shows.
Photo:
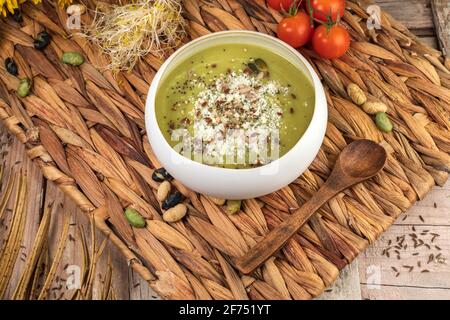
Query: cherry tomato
(332,43)
(296,30)
(322,9)
(280,4)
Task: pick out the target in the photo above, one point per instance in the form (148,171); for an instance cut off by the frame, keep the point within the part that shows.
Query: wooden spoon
(358,161)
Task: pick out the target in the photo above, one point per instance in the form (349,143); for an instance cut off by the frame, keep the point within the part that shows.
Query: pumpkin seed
(134,218)
(42,40)
(383,122)
(172,200)
(233,206)
(24,87)
(73,58)
(159,175)
(261,65)
(163,190)
(11,66)
(176,213)
(252,66)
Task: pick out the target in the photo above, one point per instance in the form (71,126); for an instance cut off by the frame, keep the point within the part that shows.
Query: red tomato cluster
(329,39)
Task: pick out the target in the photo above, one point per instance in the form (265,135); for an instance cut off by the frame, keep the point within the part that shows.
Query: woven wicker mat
(85,128)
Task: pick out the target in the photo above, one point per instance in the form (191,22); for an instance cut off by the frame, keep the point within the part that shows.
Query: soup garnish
(234,106)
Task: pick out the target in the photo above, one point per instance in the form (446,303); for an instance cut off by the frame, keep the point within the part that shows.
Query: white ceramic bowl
(239,183)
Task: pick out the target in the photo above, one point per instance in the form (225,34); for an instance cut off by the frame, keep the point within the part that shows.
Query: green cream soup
(234,106)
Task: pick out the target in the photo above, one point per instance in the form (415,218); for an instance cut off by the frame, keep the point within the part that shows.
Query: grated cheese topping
(236,112)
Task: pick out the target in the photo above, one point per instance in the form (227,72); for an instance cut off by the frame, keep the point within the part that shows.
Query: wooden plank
(40,193)
(404,293)
(441,16)
(434,210)
(346,287)
(405,10)
(418,258)
(14,159)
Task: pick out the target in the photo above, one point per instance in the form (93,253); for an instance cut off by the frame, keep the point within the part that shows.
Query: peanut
(163,190)
(373,107)
(176,213)
(356,94)
(218,201)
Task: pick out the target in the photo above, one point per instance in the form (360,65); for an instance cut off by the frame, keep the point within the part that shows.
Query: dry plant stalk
(128,32)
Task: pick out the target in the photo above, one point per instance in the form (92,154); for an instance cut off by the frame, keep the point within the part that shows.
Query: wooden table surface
(387,270)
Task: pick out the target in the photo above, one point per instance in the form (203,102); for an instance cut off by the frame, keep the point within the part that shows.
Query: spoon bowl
(351,157)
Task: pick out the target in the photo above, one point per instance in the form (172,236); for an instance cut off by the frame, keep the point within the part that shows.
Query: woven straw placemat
(84,127)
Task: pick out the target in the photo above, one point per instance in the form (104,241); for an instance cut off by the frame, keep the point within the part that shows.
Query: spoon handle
(278,236)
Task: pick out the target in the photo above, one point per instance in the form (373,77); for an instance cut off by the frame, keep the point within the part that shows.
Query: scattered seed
(421,219)
(233,206)
(163,190)
(11,66)
(134,218)
(24,87)
(172,200)
(42,40)
(72,58)
(425,271)
(176,213)
(383,122)
(159,175)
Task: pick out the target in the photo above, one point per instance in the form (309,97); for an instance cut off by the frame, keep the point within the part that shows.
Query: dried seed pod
(159,175)
(11,66)
(42,40)
(218,201)
(383,122)
(233,206)
(176,213)
(163,190)
(373,107)
(24,87)
(356,94)
(172,200)
(73,58)
(134,218)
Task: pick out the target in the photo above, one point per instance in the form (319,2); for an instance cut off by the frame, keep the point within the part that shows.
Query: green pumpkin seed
(233,206)
(261,65)
(253,68)
(383,122)
(134,218)
(72,58)
(24,87)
